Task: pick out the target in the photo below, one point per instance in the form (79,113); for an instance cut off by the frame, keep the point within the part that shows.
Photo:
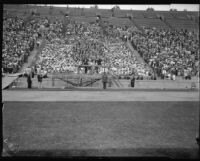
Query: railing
(78,81)
(61,81)
(113,83)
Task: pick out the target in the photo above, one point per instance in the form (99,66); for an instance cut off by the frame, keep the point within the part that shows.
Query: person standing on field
(104,80)
(133,81)
(39,76)
(29,81)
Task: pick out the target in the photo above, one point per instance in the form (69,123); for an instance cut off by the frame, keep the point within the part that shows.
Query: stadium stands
(120,13)
(89,12)
(27,29)
(179,24)
(105,13)
(151,23)
(168,52)
(18,42)
(120,21)
(149,14)
(195,14)
(83,19)
(166,14)
(75,11)
(137,14)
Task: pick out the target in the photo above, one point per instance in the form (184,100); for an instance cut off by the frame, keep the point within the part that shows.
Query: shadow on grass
(174,153)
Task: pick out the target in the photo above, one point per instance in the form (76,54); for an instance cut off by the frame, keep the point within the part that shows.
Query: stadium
(100,82)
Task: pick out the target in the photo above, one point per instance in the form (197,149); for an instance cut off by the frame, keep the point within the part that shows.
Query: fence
(63,81)
(59,82)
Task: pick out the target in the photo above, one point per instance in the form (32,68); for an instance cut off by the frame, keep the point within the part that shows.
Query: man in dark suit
(133,81)
(32,72)
(104,80)
(29,81)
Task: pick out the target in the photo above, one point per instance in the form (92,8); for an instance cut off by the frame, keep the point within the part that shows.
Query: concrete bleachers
(43,10)
(180,15)
(151,23)
(166,14)
(179,24)
(75,11)
(120,13)
(137,14)
(105,13)
(149,14)
(85,19)
(124,13)
(89,13)
(119,21)
(196,14)
(197,20)
(178,19)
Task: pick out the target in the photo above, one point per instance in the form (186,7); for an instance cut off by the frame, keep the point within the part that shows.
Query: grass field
(103,128)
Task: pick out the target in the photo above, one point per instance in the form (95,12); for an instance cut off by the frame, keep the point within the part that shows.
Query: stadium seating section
(178,24)
(151,23)
(19,21)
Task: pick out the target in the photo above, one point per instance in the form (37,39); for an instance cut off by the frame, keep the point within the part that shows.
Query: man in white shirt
(173,77)
(164,72)
(45,73)
(169,75)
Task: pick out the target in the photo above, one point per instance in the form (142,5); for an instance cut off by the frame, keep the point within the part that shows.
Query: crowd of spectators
(80,44)
(93,48)
(169,53)
(123,62)
(89,48)
(18,41)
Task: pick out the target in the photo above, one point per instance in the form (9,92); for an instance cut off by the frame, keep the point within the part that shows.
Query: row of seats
(176,24)
(108,13)
(85,19)
(183,24)
(151,23)
(120,21)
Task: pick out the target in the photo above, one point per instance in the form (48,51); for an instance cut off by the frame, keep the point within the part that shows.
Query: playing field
(103,128)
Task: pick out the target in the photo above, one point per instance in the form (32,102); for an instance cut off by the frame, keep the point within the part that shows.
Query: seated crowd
(169,53)
(95,47)
(18,41)
(89,48)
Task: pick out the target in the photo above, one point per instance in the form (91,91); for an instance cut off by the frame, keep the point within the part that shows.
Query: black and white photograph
(100,80)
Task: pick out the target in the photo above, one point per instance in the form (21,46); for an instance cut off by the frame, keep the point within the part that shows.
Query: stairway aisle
(170,26)
(138,26)
(33,57)
(135,52)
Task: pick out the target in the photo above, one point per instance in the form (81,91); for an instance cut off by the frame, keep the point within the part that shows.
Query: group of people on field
(30,74)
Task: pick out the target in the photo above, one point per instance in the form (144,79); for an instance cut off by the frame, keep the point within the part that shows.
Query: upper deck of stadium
(174,20)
